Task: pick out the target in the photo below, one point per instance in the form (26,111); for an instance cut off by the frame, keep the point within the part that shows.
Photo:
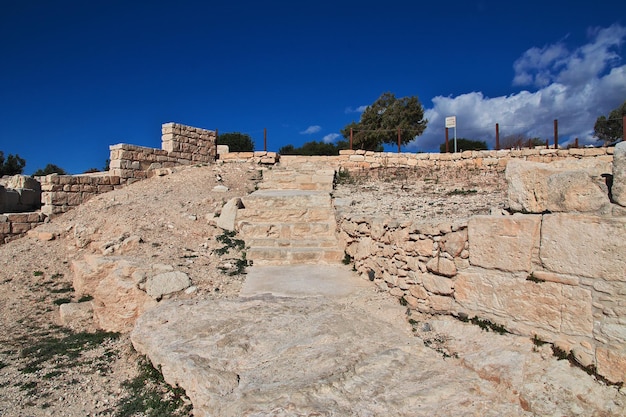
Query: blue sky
(78,76)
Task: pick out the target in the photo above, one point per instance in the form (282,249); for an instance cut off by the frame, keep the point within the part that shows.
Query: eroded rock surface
(308,357)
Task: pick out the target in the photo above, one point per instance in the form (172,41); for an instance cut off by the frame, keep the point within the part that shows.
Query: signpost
(451,122)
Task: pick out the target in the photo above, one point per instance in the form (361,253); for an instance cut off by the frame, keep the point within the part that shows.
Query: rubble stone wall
(358,159)
(560,277)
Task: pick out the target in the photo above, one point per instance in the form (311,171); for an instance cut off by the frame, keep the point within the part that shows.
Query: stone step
(292,215)
(287,256)
(313,179)
(277,230)
(276,199)
(331,243)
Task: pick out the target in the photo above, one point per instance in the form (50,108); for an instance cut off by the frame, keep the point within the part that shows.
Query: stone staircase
(290,219)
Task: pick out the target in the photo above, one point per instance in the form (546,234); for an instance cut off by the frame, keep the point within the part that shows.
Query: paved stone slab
(301,281)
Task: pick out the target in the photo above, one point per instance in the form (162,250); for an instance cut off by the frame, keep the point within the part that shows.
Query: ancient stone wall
(559,277)
(180,145)
(60,193)
(15,225)
(358,159)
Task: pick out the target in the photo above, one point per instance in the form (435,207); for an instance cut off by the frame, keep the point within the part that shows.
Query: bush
(236,141)
(50,169)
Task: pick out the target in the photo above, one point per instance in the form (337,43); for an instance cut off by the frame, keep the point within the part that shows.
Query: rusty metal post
(217,135)
(530,144)
(264,139)
(497,137)
(399,134)
(556,134)
(447,143)
(547,143)
(576,143)
(350,138)
(624,127)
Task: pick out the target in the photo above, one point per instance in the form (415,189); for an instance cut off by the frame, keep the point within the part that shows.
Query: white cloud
(574,87)
(359,109)
(330,138)
(311,129)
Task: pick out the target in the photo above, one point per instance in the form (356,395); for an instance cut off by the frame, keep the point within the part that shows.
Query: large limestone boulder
(307,356)
(113,282)
(619,174)
(537,187)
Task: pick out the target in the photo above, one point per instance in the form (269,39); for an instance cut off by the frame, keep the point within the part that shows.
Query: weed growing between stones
(485,325)
(238,266)
(343,176)
(591,370)
(229,241)
(150,395)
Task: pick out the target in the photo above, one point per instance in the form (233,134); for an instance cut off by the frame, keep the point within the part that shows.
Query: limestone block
(229,213)
(611,364)
(575,191)
(23,182)
(118,301)
(619,174)
(584,245)
(418,291)
(530,190)
(440,303)
(442,266)
(166,283)
(577,314)
(454,243)
(503,242)
(437,284)
(525,304)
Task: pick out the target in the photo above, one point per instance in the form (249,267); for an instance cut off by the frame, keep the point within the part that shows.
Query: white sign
(451,121)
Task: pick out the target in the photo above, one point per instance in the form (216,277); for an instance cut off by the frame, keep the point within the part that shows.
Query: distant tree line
(315,148)
(13,164)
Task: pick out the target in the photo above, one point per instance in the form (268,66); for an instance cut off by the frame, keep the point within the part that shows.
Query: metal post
(455,138)
(624,128)
(576,143)
(447,144)
(399,134)
(497,137)
(264,139)
(217,135)
(556,134)
(350,138)
(547,143)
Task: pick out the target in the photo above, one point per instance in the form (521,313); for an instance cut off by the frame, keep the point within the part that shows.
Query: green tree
(50,169)
(608,129)
(314,148)
(12,166)
(236,141)
(463,144)
(380,122)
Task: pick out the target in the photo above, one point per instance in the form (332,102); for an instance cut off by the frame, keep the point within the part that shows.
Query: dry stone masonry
(557,273)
